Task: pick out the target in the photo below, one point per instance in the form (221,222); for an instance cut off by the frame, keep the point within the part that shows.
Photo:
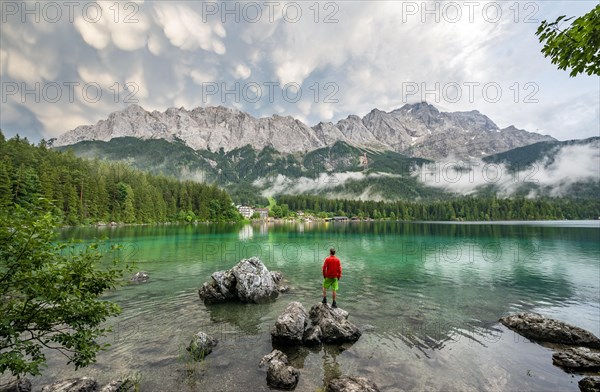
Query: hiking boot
(334,305)
(324,300)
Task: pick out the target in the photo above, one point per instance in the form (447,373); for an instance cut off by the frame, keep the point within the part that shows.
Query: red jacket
(332,268)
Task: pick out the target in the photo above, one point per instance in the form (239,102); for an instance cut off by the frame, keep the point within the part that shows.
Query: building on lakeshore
(245,211)
(263,212)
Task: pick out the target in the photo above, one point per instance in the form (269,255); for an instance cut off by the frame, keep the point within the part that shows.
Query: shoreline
(543,222)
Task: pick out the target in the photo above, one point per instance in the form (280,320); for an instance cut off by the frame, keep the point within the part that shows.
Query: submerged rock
(119,386)
(577,358)
(140,277)
(279,373)
(327,325)
(290,325)
(540,328)
(201,345)
(21,385)
(278,279)
(84,384)
(589,384)
(352,384)
(248,281)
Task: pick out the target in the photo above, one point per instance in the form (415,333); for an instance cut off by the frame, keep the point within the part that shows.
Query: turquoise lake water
(429,296)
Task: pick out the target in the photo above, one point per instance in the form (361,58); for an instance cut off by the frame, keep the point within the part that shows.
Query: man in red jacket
(332,272)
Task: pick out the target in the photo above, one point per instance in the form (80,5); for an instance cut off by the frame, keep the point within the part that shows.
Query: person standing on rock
(332,272)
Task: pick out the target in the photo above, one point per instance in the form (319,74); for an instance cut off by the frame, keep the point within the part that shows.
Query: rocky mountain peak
(418,129)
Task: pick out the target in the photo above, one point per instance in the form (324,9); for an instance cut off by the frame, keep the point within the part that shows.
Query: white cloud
(93,34)
(139,85)
(571,164)
(102,77)
(3,61)
(370,54)
(241,71)
(201,76)
(52,118)
(126,27)
(185,28)
(156,44)
(22,68)
(281,184)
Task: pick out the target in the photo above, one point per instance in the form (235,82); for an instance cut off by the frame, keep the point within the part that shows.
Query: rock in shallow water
(589,384)
(290,325)
(334,324)
(119,386)
(577,358)
(21,385)
(248,281)
(73,385)
(201,345)
(352,384)
(140,277)
(537,327)
(254,282)
(279,373)
(86,384)
(327,325)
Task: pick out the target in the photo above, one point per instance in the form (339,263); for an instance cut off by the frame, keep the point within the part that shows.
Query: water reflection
(432,292)
(246,233)
(327,353)
(247,318)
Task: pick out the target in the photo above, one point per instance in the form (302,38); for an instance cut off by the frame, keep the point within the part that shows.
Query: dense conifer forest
(92,191)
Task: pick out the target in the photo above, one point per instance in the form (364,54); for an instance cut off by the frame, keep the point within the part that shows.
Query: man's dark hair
(332,251)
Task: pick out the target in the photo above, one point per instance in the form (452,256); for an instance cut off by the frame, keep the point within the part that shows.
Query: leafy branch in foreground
(50,294)
(576,47)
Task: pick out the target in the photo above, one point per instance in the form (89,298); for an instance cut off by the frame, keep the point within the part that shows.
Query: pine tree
(5,186)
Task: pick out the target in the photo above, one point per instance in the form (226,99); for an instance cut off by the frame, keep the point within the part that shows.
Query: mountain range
(416,130)
(256,158)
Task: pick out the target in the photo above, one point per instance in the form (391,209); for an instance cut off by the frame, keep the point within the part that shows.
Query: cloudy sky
(64,64)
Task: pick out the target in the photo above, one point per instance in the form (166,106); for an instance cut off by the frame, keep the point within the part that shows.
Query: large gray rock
(290,325)
(334,324)
(225,283)
(201,345)
(352,384)
(73,385)
(21,385)
(218,290)
(327,325)
(540,328)
(589,384)
(249,281)
(279,373)
(577,358)
(254,282)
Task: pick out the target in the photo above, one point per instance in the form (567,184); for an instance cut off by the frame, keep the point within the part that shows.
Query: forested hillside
(460,209)
(86,191)
(246,173)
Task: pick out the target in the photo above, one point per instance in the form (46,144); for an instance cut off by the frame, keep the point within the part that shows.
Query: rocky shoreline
(576,350)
